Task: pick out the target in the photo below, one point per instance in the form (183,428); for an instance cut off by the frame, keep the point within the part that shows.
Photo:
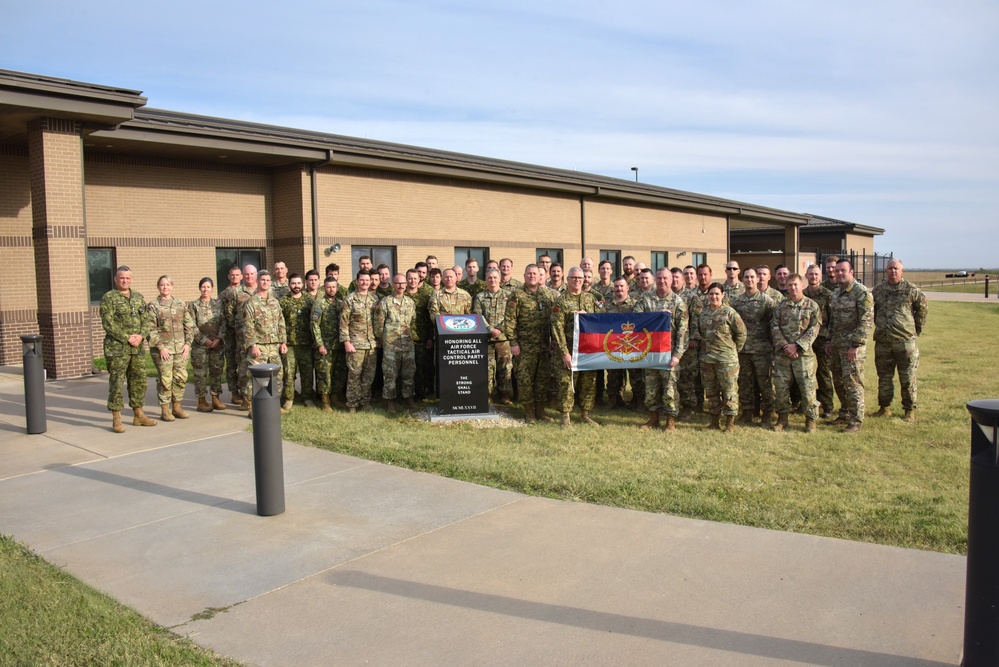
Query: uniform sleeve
(282,329)
(681,333)
(865,319)
(190,328)
(558,327)
(776,335)
(315,317)
(152,325)
(919,310)
(249,331)
(478,308)
(112,327)
(695,319)
(510,323)
(808,336)
(378,321)
(345,322)
(738,330)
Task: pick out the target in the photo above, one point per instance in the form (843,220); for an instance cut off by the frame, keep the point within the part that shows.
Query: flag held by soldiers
(619,341)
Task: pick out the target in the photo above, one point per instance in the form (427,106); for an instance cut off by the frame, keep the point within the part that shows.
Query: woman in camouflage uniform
(207,349)
(722,336)
(171,329)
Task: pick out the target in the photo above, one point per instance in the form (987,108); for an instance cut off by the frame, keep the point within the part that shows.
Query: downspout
(315,206)
(582,219)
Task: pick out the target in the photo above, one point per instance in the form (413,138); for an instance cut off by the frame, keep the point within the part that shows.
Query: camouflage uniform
(264,326)
(512,284)
(689,381)
(661,383)
(851,319)
(443,302)
(722,335)
(775,295)
(209,324)
(528,325)
(472,288)
(563,327)
(326,333)
(280,290)
(732,291)
(899,317)
(823,370)
(424,381)
(239,300)
(605,292)
(756,360)
(298,359)
(122,316)
(395,327)
(171,327)
(229,341)
(797,323)
(615,378)
(492,307)
(357,326)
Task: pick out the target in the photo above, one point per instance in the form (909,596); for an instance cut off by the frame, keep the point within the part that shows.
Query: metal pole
(981,615)
(34,384)
(986,285)
(268,461)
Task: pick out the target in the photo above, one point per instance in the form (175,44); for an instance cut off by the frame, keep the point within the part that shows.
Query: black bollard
(986,286)
(981,615)
(268,461)
(34,384)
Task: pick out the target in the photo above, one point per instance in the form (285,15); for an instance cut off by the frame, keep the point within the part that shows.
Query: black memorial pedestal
(462,365)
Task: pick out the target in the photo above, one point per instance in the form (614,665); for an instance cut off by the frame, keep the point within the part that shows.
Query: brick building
(91,178)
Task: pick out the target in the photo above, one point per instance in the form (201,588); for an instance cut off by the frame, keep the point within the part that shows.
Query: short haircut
(716,285)
(831,259)
(779,267)
(690,266)
(676,269)
(233,268)
(795,276)
(311,272)
(847,262)
(362,258)
(381,266)
(649,271)
(627,257)
(420,265)
(294,275)
(470,260)
(263,272)
(330,279)
(434,272)
(412,271)
(604,261)
(506,259)
(431,257)
(332,267)
(704,266)
(362,272)
(491,271)
(763,266)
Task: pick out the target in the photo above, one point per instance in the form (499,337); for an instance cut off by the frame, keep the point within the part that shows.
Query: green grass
(49,618)
(893,483)
(966,289)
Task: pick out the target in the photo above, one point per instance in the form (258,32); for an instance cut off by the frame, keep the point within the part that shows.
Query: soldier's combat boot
(505,399)
(565,420)
(139,418)
(165,413)
(852,427)
(746,417)
(585,418)
(767,422)
(116,422)
(529,413)
(670,424)
(203,405)
(237,398)
(309,403)
(781,422)
(839,421)
(539,412)
(178,411)
(411,404)
(715,424)
(809,425)
(286,407)
(686,414)
(885,411)
(390,406)
(613,401)
(910,416)
(653,420)
(244,404)
(216,403)
(326,403)
(730,423)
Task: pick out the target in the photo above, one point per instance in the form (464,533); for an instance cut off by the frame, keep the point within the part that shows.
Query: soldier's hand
(515,350)
(284,348)
(322,350)
(164,354)
(254,351)
(567,360)
(348,347)
(135,340)
(851,354)
(184,352)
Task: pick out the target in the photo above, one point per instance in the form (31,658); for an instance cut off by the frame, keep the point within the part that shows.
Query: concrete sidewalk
(372,564)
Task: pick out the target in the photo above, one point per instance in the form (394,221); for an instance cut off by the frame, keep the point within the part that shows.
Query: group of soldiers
(739,344)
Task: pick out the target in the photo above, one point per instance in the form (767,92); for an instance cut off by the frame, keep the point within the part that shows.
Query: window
(660,260)
(698,258)
(480,254)
(554,253)
(379,254)
(612,256)
(226,258)
(100,272)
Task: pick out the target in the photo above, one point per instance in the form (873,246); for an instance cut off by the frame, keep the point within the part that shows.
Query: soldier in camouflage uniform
(491,305)
(357,333)
(326,339)
(823,371)
(232,346)
(421,295)
(450,299)
(621,302)
(528,329)
(507,281)
(689,383)
(471,283)
(732,287)
(756,360)
(296,308)
(763,284)
(123,316)
(851,319)
(171,330)
(575,300)
(661,384)
(899,317)
(605,284)
(264,333)
(722,335)
(794,329)
(395,328)
(279,281)
(239,299)
(207,348)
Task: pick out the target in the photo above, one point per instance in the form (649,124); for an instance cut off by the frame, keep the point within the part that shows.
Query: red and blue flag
(621,341)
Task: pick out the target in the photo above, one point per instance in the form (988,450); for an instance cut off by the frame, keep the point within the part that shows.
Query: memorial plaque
(462,365)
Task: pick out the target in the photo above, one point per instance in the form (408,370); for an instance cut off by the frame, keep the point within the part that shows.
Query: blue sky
(880,113)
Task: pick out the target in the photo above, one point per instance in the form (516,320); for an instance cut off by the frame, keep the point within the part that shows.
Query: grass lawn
(966,289)
(893,483)
(49,618)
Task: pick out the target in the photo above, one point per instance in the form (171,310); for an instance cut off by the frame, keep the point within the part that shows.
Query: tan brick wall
(18,298)
(292,192)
